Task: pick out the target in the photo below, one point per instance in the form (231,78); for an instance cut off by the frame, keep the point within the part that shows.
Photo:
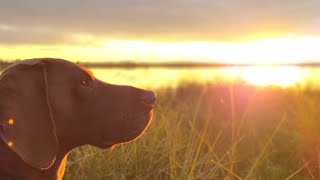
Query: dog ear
(26,121)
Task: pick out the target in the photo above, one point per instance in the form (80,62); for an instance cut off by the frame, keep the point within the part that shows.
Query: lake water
(154,78)
(282,76)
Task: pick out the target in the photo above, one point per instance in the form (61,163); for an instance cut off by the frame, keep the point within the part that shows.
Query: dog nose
(149,97)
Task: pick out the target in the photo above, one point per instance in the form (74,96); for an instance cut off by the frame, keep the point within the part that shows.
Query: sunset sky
(234,31)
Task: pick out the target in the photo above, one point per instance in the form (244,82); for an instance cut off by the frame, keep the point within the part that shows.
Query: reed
(216,131)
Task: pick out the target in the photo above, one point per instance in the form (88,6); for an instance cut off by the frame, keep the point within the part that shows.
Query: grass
(216,131)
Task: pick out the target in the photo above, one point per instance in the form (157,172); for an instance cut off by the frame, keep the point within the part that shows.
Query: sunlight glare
(283,50)
(266,50)
(268,75)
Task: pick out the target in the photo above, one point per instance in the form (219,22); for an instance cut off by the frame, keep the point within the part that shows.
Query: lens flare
(10,143)
(11,121)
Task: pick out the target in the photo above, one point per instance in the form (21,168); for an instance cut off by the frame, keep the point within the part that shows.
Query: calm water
(285,76)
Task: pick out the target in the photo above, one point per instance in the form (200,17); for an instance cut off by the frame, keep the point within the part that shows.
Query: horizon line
(173,64)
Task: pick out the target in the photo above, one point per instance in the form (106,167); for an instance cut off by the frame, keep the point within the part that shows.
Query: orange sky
(168,30)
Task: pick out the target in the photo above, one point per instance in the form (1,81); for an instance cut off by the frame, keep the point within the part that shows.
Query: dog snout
(148,97)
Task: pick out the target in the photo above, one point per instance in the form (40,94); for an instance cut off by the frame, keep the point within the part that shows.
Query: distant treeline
(129,65)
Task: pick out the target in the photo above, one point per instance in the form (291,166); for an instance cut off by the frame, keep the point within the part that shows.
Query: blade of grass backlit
(257,161)
(198,149)
(297,171)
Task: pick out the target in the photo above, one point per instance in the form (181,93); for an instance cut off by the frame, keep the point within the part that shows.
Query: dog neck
(13,167)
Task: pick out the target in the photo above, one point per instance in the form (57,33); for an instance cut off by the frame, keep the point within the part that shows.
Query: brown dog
(50,106)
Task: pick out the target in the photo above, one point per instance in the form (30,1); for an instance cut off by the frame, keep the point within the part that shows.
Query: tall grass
(216,131)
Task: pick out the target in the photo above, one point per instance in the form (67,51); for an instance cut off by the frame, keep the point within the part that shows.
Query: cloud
(24,35)
(44,21)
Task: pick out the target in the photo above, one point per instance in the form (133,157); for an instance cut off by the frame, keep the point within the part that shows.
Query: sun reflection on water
(282,76)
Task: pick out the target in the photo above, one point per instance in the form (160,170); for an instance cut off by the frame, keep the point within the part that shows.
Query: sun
(283,76)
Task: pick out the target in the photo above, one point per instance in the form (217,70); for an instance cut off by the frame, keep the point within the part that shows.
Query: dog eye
(86,82)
